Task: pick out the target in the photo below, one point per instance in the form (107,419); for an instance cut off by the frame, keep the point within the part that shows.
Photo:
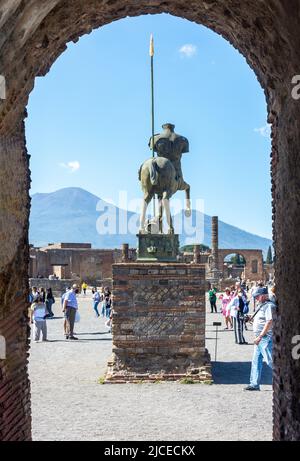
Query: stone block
(154,329)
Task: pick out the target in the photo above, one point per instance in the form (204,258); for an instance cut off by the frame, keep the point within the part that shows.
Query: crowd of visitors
(42,300)
(234,306)
(235,302)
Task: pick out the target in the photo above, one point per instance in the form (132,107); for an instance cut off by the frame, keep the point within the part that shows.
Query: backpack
(246,308)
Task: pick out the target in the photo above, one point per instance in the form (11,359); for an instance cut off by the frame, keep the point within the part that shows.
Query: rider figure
(170,145)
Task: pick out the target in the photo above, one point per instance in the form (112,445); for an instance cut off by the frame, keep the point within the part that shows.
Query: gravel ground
(69,404)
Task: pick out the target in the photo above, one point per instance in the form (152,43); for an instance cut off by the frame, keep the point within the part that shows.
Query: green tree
(190,248)
(237,260)
(269,259)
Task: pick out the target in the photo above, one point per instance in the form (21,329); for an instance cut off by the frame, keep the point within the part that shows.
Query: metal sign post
(217,325)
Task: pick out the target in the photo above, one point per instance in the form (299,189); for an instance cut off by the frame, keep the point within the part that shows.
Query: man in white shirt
(70,307)
(262,328)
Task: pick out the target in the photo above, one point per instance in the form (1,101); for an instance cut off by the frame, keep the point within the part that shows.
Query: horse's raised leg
(188,210)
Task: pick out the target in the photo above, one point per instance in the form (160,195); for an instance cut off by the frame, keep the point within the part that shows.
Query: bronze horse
(158,176)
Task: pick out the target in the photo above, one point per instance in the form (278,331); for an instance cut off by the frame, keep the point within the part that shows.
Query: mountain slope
(70,215)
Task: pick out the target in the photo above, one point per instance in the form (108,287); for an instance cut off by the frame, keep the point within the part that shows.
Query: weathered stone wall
(158,323)
(15,419)
(90,265)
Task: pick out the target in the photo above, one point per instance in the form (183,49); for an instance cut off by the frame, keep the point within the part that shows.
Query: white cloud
(71,166)
(188,50)
(264,131)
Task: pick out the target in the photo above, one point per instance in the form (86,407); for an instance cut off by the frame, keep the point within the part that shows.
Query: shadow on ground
(237,373)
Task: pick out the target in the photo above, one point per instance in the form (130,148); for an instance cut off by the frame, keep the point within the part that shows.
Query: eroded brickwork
(158,323)
(15,419)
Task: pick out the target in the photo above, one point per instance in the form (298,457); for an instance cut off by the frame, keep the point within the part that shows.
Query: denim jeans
(49,303)
(262,352)
(107,312)
(96,303)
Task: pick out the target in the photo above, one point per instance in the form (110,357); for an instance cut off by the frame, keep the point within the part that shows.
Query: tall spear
(152,101)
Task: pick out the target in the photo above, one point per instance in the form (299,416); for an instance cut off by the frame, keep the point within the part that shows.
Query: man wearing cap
(70,307)
(262,328)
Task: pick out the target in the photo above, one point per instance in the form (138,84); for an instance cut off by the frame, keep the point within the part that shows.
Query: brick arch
(250,256)
(33,34)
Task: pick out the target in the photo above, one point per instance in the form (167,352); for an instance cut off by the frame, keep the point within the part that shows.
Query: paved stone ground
(69,404)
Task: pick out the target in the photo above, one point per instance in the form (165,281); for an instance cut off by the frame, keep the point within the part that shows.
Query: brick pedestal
(158,323)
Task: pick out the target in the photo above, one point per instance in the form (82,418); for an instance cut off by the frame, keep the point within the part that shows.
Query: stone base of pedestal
(158,324)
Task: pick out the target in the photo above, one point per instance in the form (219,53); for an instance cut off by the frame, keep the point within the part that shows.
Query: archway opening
(234,267)
(28,48)
(85,150)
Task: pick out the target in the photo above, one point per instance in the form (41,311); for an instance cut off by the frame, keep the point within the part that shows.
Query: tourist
(107,292)
(84,287)
(38,318)
(272,294)
(107,303)
(212,299)
(226,298)
(252,291)
(96,301)
(62,304)
(236,307)
(257,285)
(102,298)
(70,308)
(108,323)
(42,293)
(262,328)
(50,300)
(33,294)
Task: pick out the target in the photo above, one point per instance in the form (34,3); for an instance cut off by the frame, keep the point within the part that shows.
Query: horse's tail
(153,173)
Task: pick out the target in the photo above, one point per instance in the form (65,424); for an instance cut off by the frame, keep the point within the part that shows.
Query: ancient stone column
(125,253)
(215,241)
(196,254)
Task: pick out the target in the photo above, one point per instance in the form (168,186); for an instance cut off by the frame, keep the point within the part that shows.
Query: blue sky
(89,119)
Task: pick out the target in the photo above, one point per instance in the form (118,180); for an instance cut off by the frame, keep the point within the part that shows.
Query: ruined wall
(158,323)
(252,257)
(15,419)
(90,265)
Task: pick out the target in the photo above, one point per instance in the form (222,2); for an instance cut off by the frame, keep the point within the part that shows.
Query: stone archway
(251,257)
(33,34)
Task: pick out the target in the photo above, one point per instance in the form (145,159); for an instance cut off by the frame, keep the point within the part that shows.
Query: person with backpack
(238,307)
(262,321)
(84,288)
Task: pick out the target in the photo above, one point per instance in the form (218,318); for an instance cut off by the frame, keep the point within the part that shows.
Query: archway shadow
(237,373)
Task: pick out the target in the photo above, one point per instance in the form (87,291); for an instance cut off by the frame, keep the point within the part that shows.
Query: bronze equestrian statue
(162,175)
